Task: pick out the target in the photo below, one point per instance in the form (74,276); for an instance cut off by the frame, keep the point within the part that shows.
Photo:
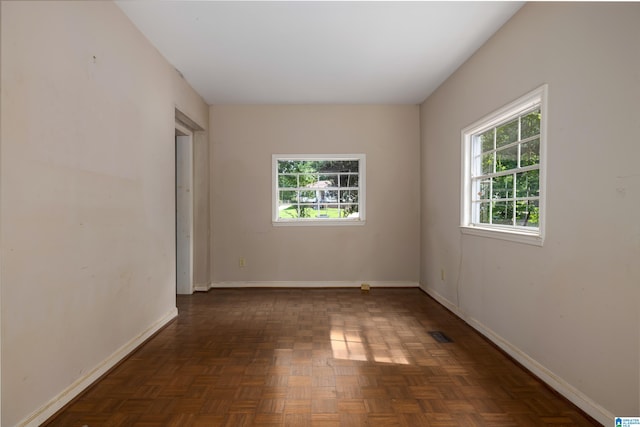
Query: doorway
(184,209)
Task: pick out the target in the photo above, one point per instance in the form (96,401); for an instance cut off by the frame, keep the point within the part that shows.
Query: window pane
(285,181)
(507,159)
(287,197)
(349,180)
(487,163)
(326,166)
(530,153)
(328,211)
(322,211)
(322,196)
(349,211)
(502,213)
(527,213)
(528,184)
(288,211)
(330,196)
(483,188)
(349,196)
(507,133)
(288,166)
(328,180)
(503,187)
(296,166)
(306,211)
(486,140)
(485,214)
(307,196)
(308,180)
(530,124)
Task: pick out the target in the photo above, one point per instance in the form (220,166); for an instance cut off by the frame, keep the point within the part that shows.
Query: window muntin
(503,170)
(313,189)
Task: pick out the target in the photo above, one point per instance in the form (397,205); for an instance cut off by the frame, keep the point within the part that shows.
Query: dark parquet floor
(317,357)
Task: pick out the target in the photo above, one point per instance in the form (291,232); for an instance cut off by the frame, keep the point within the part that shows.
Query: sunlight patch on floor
(352,345)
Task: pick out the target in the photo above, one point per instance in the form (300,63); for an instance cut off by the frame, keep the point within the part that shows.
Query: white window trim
(276,221)
(510,233)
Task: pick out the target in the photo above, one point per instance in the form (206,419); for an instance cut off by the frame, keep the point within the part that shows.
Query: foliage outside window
(503,171)
(314,189)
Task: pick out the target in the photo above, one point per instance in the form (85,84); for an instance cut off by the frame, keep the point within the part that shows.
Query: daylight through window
(316,189)
(503,169)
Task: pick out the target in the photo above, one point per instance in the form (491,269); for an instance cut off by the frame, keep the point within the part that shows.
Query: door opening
(184,209)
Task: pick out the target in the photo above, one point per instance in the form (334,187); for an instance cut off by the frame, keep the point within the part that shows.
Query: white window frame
(471,225)
(362,167)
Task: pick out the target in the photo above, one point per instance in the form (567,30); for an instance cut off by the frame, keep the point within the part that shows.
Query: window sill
(509,235)
(318,222)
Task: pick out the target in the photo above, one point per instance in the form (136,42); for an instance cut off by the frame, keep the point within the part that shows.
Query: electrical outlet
(442,274)
(364,287)
(242,262)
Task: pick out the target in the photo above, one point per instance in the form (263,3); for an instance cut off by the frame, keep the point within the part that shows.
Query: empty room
(319,213)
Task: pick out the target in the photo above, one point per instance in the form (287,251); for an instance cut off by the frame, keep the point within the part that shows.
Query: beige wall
(201,209)
(570,307)
(87,202)
(243,139)
(87,196)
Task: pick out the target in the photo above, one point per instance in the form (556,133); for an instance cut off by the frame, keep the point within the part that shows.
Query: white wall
(385,249)
(87,196)
(568,309)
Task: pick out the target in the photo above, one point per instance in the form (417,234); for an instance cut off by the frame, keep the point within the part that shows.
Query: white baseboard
(309,284)
(201,287)
(561,386)
(54,405)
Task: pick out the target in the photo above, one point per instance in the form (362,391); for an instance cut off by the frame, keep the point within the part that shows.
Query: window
(503,183)
(318,189)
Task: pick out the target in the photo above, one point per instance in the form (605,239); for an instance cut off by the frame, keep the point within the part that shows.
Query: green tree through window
(503,164)
(318,189)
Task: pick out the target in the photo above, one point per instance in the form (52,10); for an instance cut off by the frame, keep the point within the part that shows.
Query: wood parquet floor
(317,357)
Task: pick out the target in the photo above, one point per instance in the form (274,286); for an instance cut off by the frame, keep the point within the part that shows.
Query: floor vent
(440,337)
